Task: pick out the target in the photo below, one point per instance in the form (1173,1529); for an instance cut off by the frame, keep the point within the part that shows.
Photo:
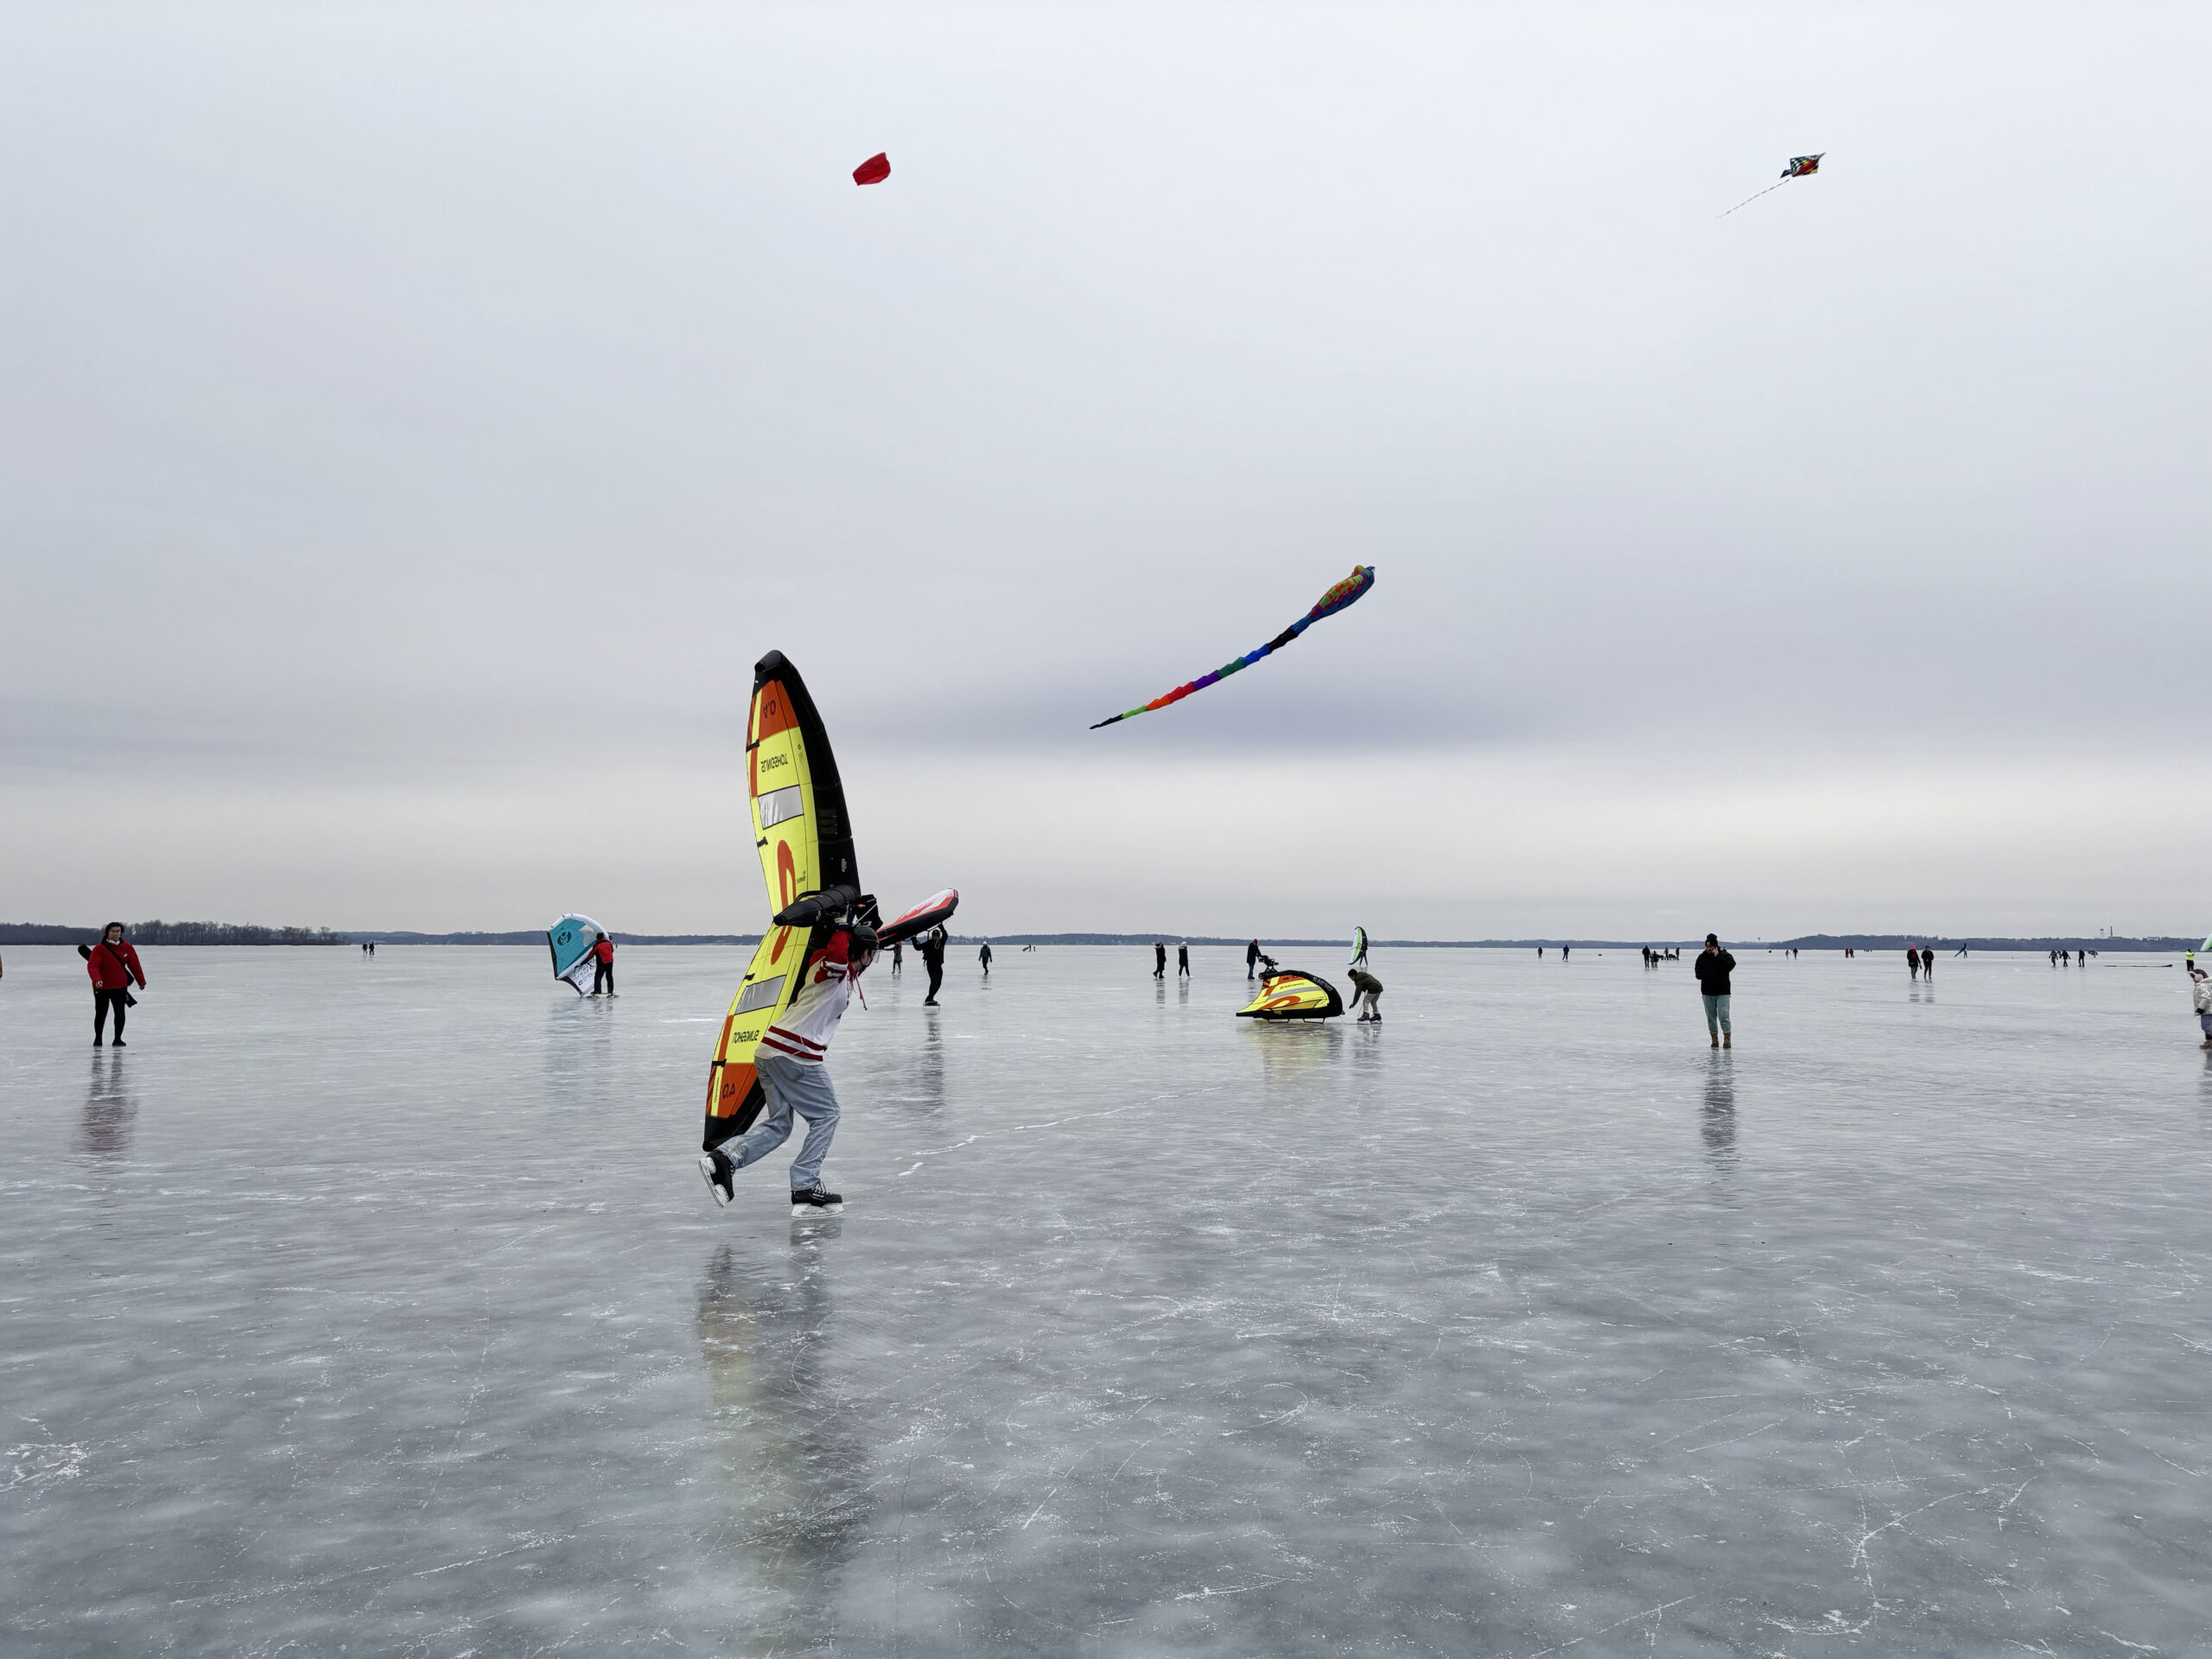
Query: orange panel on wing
(730,1096)
(771,712)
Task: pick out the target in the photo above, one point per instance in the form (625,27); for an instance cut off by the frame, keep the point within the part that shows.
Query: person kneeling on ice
(1366,994)
(789,1062)
(2200,990)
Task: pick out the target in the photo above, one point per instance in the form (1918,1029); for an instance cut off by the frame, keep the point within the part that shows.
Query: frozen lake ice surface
(377,1306)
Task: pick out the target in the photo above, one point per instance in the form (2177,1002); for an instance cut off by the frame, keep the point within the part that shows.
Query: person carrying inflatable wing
(602,973)
(931,945)
(789,1062)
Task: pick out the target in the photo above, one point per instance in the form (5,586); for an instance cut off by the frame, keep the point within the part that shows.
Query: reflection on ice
(790,1443)
(111,1107)
(1293,1053)
(1719,1124)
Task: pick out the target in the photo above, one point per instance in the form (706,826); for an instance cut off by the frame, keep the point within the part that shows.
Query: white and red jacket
(825,991)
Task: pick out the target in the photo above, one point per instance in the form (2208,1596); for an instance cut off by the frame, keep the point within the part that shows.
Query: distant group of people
(368,947)
(1919,962)
(1652,958)
(2060,958)
(1182,959)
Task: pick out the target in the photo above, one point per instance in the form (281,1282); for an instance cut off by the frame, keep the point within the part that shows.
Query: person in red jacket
(602,973)
(112,964)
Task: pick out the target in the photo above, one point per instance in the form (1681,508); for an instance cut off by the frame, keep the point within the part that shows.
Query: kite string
(1749,200)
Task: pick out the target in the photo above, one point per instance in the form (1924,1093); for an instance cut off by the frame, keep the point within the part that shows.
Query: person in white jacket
(2200,989)
(789,1061)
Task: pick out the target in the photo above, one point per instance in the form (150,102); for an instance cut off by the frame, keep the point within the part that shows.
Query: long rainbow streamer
(1345,592)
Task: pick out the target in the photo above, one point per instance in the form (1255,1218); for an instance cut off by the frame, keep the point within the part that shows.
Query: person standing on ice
(2200,995)
(602,968)
(112,963)
(983,955)
(789,1062)
(1251,958)
(1366,994)
(1713,967)
(931,945)
(1183,960)
(1159,958)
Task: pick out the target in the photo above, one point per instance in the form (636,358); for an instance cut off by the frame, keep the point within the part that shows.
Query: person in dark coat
(1183,960)
(1251,958)
(1712,966)
(112,963)
(931,945)
(1366,994)
(1159,958)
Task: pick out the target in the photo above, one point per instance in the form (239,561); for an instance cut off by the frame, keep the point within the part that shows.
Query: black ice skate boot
(717,1168)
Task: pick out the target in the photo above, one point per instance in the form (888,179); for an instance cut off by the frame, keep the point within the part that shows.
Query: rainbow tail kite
(1345,592)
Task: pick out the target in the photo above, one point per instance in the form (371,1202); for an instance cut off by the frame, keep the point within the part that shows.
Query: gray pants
(793,1086)
(1716,1016)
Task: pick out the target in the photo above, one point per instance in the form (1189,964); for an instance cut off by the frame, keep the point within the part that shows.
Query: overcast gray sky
(416,420)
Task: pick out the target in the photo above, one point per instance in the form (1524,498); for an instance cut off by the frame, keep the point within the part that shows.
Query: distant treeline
(172,933)
(234,933)
(1809,942)
(537,937)
(1947,942)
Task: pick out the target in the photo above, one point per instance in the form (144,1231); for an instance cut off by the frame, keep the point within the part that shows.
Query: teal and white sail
(571,939)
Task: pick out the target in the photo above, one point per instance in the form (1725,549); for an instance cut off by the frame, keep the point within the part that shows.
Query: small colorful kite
(1345,592)
(877,168)
(1800,167)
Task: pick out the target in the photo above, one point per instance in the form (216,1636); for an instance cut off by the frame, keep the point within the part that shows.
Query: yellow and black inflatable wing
(1290,994)
(805,842)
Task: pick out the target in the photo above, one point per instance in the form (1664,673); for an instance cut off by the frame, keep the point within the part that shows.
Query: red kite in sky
(874,170)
